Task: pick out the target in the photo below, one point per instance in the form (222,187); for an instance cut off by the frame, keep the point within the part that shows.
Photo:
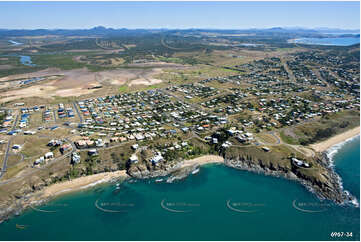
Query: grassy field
(33,146)
(319,130)
(64,62)
(15,169)
(266,138)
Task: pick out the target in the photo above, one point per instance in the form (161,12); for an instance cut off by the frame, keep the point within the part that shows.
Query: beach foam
(333,150)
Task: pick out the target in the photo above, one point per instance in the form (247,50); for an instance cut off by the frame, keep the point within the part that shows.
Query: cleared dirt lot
(79,82)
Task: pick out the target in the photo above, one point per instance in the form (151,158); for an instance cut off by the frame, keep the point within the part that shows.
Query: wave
(333,150)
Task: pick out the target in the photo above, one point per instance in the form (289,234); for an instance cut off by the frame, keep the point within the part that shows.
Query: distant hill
(96,31)
(103,31)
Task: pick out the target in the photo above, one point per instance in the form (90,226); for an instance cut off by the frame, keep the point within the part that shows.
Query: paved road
(54,115)
(3,170)
(71,143)
(6,157)
(77,111)
(288,70)
(56,159)
(276,137)
(193,105)
(35,169)
(14,124)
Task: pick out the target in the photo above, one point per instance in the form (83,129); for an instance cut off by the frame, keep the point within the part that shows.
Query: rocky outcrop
(175,171)
(326,184)
(182,173)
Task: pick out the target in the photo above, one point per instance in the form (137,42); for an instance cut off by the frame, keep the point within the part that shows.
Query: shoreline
(81,183)
(53,191)
(203,160)
(335,140)
(85,182)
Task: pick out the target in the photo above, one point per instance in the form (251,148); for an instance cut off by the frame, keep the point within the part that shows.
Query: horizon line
(187,28)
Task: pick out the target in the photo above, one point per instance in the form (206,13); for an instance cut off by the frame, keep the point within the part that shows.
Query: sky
(180,15)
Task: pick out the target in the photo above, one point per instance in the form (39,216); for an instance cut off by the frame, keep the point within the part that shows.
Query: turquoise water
(344,41)
(259,208)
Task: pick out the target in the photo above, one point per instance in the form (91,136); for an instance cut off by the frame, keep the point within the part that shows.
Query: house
(133,158)
(184,143)
(300,163)
(122,139)
(200,128)
(226,144)
(114,139)
(241,139)
(135,146)
(39,161)
(11,133)
(139,137)
(29,132)
(65,147)
(75,158)
(266,149)
(185,129)
(81,144)
(99,143)
(233,131)
(54,143)
(92,152)
(49,155)
(157,158)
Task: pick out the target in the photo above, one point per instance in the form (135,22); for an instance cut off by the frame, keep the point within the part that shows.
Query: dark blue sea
(218,203)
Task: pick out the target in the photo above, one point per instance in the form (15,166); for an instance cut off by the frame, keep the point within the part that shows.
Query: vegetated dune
(324,145)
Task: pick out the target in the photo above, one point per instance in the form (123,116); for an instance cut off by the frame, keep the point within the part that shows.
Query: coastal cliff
(325,183)
(173,171)
(320,178)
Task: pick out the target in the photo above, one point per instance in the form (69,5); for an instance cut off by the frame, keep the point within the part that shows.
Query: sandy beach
(88,181)
(324,145)
(206,159)
(81,183)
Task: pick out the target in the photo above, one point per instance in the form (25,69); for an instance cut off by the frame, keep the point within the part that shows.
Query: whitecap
(333,150)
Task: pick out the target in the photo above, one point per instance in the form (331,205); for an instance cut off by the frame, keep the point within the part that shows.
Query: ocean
(340,41)
(217,203)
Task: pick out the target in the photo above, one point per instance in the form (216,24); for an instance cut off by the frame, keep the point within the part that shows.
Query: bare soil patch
(80,82)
